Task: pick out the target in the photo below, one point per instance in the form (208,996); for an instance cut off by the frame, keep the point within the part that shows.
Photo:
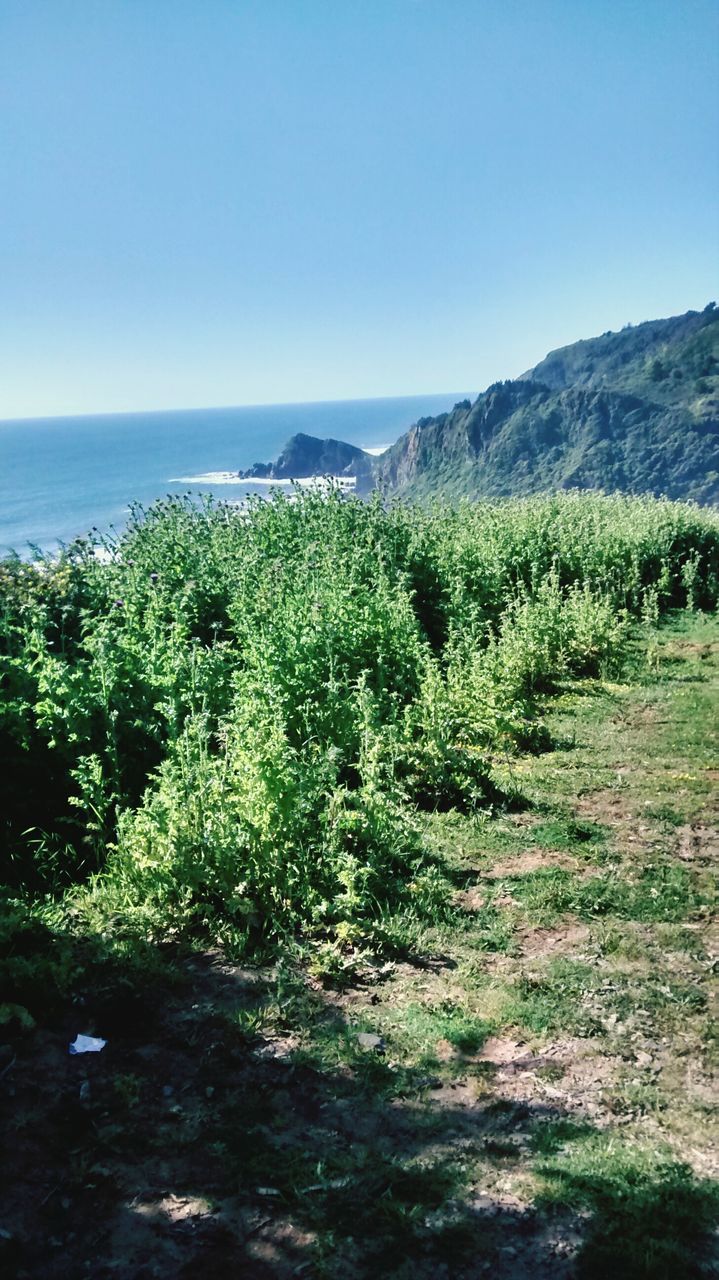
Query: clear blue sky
(208,202)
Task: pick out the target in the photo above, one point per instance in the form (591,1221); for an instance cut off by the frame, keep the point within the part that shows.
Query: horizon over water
(60,477)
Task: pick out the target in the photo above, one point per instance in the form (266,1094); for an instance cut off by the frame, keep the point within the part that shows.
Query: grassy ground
(521,1088)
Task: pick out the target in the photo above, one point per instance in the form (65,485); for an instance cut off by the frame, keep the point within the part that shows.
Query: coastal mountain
(305,455)
(636,411)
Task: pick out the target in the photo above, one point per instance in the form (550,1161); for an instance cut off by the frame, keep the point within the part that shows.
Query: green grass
(648,1213)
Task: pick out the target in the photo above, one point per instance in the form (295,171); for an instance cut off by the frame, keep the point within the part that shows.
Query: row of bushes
(231,714)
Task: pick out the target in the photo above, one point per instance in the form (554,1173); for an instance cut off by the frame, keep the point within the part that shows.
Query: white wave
(209,477)
(231,477)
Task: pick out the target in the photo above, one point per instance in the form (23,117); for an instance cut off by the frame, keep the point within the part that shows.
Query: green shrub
(246,825)
(232,714)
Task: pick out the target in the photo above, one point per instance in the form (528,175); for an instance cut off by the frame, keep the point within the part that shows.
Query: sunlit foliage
(233,714)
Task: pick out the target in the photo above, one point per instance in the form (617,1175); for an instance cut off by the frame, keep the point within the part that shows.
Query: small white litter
(87,1044)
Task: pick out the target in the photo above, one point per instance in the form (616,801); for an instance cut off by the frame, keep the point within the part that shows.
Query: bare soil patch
(698,843)
(569,937)
(529,860)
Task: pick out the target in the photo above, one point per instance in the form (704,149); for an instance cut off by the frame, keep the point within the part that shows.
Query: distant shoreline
(231,477)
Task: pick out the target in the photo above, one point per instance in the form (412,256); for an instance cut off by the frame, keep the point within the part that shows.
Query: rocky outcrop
(305,456)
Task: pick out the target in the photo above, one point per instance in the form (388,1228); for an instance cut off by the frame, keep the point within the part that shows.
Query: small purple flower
(154,577)
(119,604)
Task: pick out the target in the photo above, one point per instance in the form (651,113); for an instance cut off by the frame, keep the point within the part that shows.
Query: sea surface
(60,477)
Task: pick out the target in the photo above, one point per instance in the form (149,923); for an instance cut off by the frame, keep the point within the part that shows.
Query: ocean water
(60,477)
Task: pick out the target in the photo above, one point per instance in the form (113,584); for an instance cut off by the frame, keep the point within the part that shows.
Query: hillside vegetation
(635,411)
(345,744)
(228,721)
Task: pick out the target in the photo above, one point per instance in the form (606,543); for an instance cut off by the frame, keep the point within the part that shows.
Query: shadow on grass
(643,1226)
(199,1143)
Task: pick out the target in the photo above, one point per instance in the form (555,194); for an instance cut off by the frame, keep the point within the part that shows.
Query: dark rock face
(305,455)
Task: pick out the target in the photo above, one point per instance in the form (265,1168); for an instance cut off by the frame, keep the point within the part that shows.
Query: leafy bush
(232,714)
